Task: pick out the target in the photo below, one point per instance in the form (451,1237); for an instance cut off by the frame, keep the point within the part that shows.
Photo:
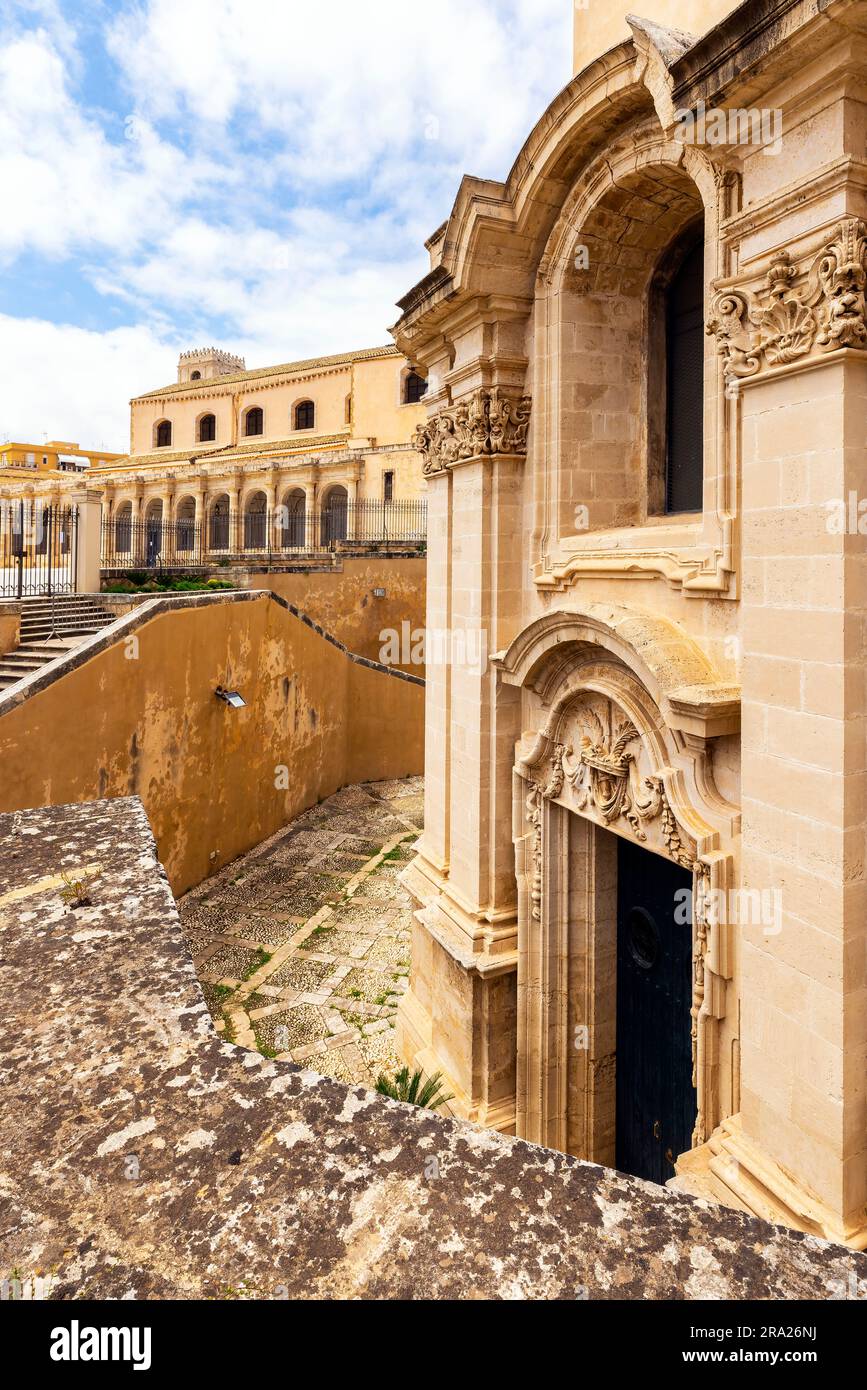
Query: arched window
(164,434)
(195,376)
(349,409)
(305,415)
(254,421)
(414,387)
(207,429)
(684,378)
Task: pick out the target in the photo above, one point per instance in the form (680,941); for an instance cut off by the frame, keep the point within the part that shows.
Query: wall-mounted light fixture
(231,697)
(379,593)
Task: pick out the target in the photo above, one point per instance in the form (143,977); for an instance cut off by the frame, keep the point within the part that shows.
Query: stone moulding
(489,421)
(828,313)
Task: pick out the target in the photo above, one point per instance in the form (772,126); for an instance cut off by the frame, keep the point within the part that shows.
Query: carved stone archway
(604,755)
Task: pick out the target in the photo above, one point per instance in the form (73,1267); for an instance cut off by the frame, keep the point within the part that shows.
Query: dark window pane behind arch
(164,434)
(255,421)
(305,416)
(207,428)
(415,388)
(685,386)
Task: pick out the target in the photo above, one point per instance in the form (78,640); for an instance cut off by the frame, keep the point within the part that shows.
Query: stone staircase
(49,629)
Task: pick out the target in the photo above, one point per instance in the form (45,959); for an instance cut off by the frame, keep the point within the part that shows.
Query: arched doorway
(335,516)
(294,520)
(123,529)
(153,532)
(624,852)
(185,527)
(218,536)
(256,522)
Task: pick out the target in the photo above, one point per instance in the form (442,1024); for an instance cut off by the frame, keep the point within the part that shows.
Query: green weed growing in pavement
(260,958)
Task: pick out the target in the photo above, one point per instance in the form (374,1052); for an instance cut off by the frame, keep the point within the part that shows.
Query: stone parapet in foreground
(144,1158)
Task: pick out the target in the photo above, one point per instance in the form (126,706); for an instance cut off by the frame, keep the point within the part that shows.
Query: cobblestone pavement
(302,945)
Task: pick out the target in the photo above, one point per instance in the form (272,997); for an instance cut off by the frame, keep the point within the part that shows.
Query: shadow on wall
(134,712)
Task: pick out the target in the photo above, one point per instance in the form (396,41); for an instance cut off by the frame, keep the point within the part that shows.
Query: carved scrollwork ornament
(537,794)
(827,314)
(488,422)
(699,970)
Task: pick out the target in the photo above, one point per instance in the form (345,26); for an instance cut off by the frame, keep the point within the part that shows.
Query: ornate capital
(786,324)
(487,422)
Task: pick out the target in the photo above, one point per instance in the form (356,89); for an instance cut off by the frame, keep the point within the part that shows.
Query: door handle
(657,1129)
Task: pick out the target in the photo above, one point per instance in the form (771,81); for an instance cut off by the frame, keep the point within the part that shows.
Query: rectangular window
(388,486)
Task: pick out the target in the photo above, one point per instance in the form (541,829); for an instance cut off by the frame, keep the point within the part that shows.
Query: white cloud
(344,83)
(66,185)
(62,382)
(267,181)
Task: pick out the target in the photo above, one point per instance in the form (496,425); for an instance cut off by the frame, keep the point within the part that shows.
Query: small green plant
(75,890)
(260,958)
(410,1089)
(228,1033)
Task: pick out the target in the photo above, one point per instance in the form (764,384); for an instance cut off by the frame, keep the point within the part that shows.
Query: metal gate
(38,548)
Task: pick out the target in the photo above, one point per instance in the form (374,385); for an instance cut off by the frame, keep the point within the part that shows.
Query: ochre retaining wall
(135,714)
(10,625)
(343,601)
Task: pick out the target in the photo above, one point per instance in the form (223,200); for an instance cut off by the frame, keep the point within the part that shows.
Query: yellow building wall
(44,458)
(208,775)
(598,27)
(377,413)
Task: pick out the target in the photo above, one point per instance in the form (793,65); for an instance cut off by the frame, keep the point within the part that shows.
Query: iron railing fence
(38,548)
(267,535)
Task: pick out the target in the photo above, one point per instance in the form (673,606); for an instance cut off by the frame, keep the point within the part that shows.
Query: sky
(255,174)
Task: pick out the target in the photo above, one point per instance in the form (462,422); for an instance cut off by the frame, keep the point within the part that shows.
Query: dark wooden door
(655,1097)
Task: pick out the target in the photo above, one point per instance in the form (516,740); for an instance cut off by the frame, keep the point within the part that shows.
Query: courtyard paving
(303,945)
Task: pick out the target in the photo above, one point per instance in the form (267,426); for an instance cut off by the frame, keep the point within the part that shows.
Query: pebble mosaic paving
(302,946)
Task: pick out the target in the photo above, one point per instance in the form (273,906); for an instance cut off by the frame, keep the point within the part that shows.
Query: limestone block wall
(133,712)
(804,1047)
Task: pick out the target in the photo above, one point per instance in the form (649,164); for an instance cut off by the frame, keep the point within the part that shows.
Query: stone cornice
(844,174)
(484,423)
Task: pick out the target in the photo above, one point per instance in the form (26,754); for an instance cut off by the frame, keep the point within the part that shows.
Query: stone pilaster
(459,1015)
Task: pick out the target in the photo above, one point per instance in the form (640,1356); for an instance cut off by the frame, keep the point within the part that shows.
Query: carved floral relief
(828,313)
(487,422)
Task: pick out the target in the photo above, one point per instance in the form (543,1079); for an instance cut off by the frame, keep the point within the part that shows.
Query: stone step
(46,651)
(34,630)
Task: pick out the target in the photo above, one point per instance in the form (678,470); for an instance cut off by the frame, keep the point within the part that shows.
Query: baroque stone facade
(674,695)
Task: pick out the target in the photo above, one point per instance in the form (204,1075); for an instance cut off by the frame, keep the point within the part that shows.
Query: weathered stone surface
(143,1157)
